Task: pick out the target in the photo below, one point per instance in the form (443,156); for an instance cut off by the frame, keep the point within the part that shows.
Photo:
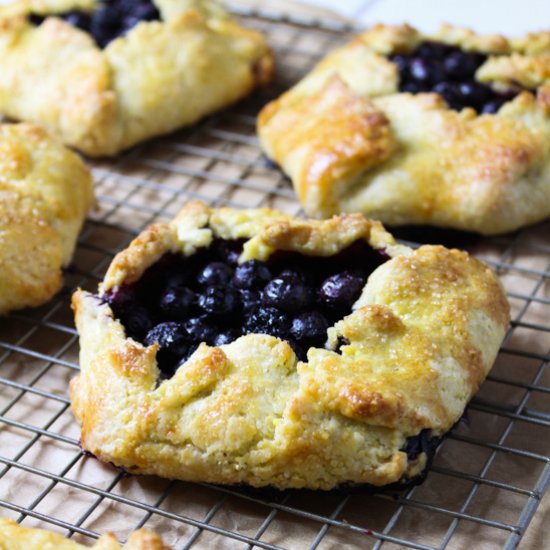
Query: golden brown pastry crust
(45,193)
(159,77)
(409,159)
(422,337)
(15,537)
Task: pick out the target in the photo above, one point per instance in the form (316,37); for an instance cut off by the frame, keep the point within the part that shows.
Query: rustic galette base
(420,339)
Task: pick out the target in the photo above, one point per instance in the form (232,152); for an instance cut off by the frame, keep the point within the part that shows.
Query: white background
(498,16)
(510,17)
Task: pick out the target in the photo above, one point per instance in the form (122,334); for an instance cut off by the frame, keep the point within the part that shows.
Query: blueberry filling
(113,18)
(421,443)
(450,72)
(181,301)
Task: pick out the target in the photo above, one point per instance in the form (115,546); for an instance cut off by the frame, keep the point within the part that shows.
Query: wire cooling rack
(488,477)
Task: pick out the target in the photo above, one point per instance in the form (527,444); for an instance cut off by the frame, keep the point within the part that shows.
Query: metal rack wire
(488,477)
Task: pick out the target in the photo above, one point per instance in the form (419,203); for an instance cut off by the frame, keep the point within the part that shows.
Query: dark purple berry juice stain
(182,301)
(450,72)
(113,18)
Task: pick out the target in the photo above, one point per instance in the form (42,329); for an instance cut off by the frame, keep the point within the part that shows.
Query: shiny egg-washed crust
(159,77)
(421,339)
(15,537)
(351,143)
(45,193)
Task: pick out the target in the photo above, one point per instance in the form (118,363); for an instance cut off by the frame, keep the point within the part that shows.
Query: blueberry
(420,70)
(433,50)
(267,320)
(492,106)
(421,443)
(218,302)
(129,22)
(105,19)
(298,274)
(226,336)
(311,325)
(124,6)
(137,321)
(298,349)
(341,290)
(436,71)
(190,350)
(105,25)
(173,343)
(250,299)
(413,88)
(169,335)
(450,92)
(402,63)
(251,274)
(177,279)
(292,275)
(112,18)
(474,94)
(425,71)
(177,302)
(121,298)
(460,65)
(287,294)
(200,330)
(146,12)
(104,31)
(227,251)
(36,19)
(78,19)
(215,274)
(450,72)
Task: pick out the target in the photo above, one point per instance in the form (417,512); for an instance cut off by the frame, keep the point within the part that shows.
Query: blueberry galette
(450,130)
(15,537)
(252,347)
(45,193)
(105,75)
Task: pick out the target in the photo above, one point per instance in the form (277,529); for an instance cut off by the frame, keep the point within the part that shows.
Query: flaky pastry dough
(418,344)
(159,77)
(15,537)
(45,193)
(351,143)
